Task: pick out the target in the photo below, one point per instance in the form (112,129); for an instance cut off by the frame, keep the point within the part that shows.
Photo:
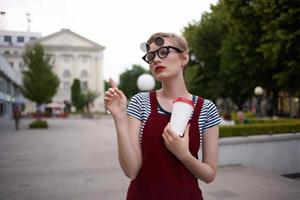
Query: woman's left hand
(179,146)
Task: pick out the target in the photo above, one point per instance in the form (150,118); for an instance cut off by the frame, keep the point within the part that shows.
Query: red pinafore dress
(162,176)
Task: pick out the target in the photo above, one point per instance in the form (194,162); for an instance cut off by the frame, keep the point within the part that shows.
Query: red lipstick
(159,69)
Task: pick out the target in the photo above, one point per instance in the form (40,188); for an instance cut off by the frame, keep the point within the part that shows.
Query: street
(76,158)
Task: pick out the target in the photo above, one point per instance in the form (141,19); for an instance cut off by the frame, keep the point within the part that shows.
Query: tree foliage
(240,61)
(77,97)
(205,40)
(128,80)
(89,98)
(242,44)
(280,39)
(39,82)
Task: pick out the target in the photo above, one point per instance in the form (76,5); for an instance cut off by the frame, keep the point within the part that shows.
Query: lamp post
(145,82)
(258,91)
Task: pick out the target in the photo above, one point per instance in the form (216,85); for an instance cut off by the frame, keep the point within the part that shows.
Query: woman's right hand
(115,100)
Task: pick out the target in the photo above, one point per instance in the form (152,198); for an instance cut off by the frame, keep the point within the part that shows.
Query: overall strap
(153,101)
(198,107)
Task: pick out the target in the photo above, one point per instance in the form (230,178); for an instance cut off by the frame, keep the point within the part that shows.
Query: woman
(161,164)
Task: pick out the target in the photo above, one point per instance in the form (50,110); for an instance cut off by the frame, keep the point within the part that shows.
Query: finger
(167,137)
(112,83)
(111,90)
(119,92)
(164,137)
(170,131)
(187,131)
(107,99)
(108,94)
(166,141)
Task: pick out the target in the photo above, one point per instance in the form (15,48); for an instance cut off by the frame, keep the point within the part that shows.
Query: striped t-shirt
(140,108)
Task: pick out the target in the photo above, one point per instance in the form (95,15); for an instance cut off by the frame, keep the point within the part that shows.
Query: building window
(2,84)
(84,86)
(8,87)
(66,74)
(32,38)
(7,38)
(84,74)
(20,39)
(66,86)
(11,64)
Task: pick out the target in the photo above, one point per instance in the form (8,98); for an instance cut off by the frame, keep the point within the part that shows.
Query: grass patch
(38,124)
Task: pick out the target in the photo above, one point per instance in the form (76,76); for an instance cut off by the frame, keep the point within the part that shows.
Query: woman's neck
(174,88)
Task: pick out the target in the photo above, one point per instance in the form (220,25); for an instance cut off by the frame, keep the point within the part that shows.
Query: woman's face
(169,66)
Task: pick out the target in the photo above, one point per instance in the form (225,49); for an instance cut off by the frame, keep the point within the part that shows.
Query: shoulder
(207,104)
(209,114)
(140,97)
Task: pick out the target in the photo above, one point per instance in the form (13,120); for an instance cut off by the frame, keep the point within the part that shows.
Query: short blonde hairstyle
(179,41)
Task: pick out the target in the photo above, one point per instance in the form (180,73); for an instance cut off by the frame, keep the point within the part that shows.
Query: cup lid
(185,100)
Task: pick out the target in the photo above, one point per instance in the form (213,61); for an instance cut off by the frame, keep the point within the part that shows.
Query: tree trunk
(38,112)
(275,103)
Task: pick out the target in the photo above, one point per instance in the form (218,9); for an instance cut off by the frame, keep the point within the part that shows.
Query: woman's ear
(185,58)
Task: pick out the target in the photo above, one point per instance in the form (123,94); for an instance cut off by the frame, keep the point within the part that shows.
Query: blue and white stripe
(140,108)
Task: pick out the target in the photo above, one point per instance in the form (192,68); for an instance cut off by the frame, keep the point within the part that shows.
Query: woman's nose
(156,59)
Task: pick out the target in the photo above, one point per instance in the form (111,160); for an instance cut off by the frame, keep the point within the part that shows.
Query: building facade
(12,46)
(73,56)
(10,93)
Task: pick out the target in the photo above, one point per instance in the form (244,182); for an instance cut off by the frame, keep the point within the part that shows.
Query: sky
(119,25)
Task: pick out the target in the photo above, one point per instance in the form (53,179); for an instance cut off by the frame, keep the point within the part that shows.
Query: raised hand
(115,100)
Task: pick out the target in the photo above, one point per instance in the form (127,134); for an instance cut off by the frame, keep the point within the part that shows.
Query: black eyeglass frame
(156,52)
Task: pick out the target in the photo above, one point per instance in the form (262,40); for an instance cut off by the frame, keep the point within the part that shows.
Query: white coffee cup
(181,112)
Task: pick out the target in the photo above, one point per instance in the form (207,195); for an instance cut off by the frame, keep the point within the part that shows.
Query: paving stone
(76,159)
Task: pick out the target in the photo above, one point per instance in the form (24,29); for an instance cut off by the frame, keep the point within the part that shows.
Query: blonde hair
(179,41)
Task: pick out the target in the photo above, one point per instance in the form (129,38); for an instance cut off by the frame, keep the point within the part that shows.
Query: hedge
(38,124)
(281,126)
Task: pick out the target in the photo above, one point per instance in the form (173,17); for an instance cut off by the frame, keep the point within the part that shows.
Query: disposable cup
(181,112)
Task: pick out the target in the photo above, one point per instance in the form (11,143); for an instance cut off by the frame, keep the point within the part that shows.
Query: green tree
(241,64)
(205,42)
(89,98)
(39,82)
(77,97)
(128,80)
(279,45)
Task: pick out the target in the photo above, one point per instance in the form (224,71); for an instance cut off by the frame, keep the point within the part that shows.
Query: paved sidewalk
(77,159)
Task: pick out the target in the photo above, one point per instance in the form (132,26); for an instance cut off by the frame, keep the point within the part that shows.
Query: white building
(10,82)
(74,56)
(12,46)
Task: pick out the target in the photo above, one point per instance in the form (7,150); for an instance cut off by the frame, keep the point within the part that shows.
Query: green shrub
(38,124)
(248,115)
(271,121)
(281,126)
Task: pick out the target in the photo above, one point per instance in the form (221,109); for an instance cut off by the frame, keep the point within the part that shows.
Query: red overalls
(162,175)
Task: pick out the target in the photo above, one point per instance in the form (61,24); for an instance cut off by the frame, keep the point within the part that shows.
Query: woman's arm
(206,169)
(128,129)
(129,150)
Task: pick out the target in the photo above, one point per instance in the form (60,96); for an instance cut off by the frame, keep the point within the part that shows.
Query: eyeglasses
(162,52)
